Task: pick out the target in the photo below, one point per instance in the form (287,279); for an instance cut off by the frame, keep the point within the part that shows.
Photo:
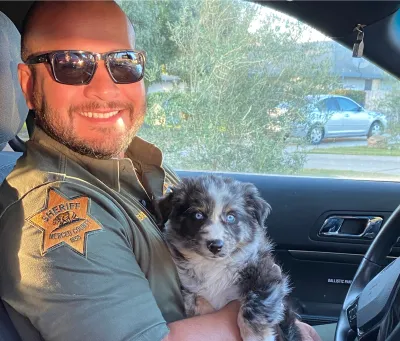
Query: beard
(50,121)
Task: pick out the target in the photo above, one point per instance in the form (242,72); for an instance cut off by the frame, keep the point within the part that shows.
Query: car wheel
(316,134)
(375,129)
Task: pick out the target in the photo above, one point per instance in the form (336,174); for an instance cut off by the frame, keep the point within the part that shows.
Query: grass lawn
(332,173)
(359,150)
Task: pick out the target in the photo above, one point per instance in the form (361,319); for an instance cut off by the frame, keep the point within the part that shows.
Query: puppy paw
(203,306)
(250,332)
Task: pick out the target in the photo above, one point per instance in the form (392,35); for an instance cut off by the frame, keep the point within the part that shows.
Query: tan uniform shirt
(81,257)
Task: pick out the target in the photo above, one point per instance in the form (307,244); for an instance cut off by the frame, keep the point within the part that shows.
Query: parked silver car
(338,116)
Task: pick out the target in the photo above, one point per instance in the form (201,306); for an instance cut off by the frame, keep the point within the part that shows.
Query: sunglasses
(74,67)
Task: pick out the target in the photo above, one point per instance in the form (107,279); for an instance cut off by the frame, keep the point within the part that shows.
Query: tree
(151,20)
(236,77)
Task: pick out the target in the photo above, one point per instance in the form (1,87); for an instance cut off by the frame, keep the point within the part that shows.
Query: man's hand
(308,333)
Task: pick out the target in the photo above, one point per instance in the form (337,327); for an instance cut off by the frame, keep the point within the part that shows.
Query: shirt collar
(139,155)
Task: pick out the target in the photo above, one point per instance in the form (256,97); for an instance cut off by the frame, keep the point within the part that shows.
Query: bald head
(75,25)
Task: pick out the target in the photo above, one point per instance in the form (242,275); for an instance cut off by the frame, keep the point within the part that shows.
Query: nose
(215,246)
(101,87)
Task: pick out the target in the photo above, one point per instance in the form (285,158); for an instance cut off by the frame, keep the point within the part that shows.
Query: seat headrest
(13,109)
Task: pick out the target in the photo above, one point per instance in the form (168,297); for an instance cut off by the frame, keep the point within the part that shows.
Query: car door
(355,118)
(332,116)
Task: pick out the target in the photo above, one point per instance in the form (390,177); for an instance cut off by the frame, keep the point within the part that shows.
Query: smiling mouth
(91,114)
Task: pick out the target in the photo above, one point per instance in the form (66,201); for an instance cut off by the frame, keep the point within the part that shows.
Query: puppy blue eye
(199,216)
(230,218)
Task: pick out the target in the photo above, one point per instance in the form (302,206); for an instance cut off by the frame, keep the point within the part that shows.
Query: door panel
(356,122)
(321,268)
(334,126)
(330,109)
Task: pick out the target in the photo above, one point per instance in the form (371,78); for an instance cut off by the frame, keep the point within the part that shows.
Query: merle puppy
(215,230)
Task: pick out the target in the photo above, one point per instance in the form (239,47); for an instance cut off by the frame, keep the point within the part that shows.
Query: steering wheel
(373,292)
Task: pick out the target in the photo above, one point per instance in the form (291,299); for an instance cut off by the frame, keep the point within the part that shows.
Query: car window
(347,105)
(329,104)
(240,103)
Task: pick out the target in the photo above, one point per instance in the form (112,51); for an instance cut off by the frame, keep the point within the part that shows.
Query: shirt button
(143,202)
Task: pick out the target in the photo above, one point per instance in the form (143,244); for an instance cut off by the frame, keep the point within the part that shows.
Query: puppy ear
(164,208)
(260,209)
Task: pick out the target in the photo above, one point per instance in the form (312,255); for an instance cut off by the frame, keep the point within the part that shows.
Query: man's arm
(221,325)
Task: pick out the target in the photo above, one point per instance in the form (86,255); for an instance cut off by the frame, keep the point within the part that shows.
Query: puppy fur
(215,230)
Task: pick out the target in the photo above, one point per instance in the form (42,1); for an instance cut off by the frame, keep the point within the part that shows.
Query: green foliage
(151,19)
(390,106)
(235,77)
(356,95)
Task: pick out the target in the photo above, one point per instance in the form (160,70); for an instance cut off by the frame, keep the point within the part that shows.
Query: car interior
(333,236)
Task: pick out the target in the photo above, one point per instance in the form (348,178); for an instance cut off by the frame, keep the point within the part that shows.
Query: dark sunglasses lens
(74,68)
(126,67)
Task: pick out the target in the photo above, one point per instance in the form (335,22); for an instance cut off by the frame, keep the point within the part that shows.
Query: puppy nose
(215,246)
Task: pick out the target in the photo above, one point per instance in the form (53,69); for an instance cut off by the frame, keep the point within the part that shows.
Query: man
(81,257)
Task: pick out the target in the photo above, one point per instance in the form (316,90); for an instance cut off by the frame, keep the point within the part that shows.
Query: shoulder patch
(64,221)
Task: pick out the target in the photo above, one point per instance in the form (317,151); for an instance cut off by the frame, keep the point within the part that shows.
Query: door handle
(335,226)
